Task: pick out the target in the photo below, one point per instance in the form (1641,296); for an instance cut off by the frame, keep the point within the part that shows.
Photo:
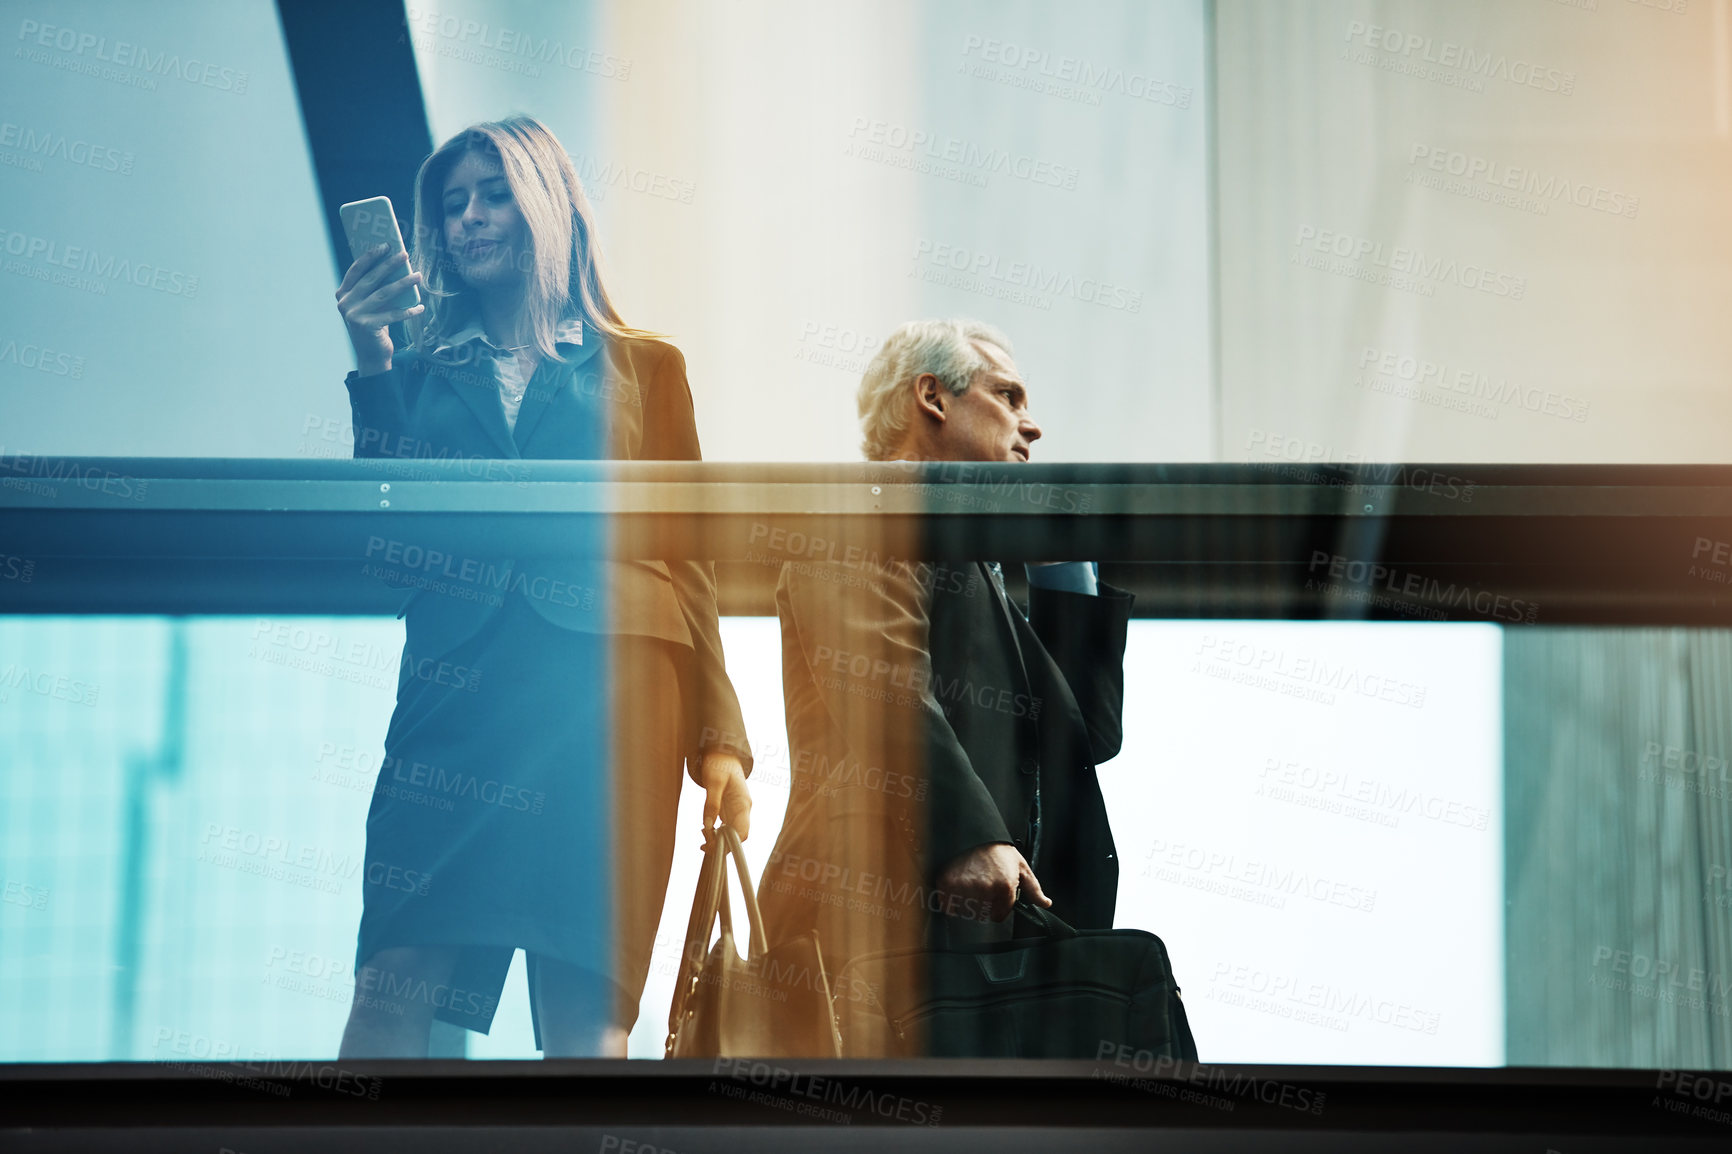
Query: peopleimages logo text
(41,358)
(1417,48)
(987,268)
(79,259)
(1370,574)
(1516,178)
(124,54)
(972,158)
(1410,263)
(1389,364)
(1086,75)
(59,146)
(508,42)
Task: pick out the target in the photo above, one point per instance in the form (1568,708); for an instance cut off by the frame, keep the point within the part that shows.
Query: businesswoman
(545,705)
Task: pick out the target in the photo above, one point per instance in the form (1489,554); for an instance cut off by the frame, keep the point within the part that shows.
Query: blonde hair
(564,264)
(944,348)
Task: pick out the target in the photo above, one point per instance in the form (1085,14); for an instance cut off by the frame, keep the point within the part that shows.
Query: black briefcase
(1056,992)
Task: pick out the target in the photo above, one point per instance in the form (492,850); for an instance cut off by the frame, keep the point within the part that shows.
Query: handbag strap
(709,902)
(756,945)
(703,917)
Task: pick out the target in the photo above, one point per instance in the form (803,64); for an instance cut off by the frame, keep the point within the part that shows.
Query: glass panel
(817,177)
(1295,878)
(166,278)
(1409,764)
(1472,231)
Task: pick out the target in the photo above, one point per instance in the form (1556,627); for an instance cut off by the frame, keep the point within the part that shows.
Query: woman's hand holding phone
(365,299)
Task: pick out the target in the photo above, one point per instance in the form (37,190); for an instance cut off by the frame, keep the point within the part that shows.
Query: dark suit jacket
(620,399)
(982,727)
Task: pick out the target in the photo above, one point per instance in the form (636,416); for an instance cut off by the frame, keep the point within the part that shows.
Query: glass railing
(1416,765)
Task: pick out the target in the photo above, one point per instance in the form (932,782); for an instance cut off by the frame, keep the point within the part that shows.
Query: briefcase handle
(709,902)
(1051,925)
(1032,921)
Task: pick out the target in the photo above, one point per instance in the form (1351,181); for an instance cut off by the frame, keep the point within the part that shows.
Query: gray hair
(944,348)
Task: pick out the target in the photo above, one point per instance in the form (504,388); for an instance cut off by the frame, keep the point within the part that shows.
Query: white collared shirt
(511,369)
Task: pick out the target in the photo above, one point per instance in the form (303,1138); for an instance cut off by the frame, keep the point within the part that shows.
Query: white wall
(1620,320)
(1310,816)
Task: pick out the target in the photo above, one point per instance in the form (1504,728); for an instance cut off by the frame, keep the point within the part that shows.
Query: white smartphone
(372,222)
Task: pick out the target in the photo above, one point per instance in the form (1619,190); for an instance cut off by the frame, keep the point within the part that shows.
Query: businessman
(943,740)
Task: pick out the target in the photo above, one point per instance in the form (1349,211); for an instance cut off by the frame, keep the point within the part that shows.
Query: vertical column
(1617,846)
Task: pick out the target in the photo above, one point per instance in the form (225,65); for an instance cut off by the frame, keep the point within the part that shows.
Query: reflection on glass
(1469,234)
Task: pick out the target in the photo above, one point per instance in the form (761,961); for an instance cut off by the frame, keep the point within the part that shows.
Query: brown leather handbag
(769,1004)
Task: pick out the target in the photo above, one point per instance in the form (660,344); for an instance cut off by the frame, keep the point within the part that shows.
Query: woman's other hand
(364,297)
(725,793)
